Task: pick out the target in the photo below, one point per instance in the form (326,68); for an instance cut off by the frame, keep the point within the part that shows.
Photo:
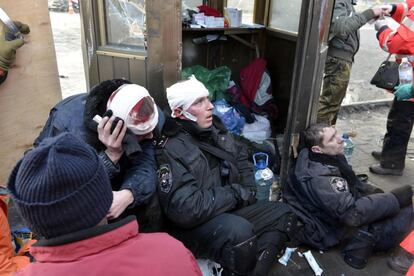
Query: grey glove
(404,195)
(245,196)
(380,23)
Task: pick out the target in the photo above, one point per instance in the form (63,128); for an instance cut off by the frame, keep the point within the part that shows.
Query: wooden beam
(32,86)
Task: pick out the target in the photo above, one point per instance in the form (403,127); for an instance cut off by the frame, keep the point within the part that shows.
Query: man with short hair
(333,204)
(207,189)
(62,191)
(123,139)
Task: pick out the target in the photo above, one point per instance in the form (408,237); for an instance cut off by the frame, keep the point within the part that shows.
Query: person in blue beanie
(62,191)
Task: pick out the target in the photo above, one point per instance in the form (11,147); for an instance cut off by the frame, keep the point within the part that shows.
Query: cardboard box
(233,17)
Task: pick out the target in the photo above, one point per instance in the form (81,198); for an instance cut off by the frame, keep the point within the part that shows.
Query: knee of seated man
(237,229)
(239,254)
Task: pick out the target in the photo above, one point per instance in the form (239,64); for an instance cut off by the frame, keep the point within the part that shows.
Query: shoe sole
(386,173)
(397,268)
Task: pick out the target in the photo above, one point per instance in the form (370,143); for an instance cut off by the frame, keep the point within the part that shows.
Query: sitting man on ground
(123,139)
(335,205)
(62,191)
(207,189)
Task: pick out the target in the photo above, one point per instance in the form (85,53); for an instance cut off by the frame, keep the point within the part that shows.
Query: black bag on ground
(387,75)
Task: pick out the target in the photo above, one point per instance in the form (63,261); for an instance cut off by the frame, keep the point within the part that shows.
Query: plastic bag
(229,116)
(216,80)
(258,131)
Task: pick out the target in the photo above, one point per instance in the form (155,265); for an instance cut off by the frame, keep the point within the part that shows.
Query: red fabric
(408,245)
(402,41)
(209,11)
(122,251)
(250,78)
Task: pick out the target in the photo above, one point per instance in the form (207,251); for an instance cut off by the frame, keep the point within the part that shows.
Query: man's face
(332,144)
(202,109)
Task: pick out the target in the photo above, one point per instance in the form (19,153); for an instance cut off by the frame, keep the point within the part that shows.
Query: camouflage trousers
(335,82)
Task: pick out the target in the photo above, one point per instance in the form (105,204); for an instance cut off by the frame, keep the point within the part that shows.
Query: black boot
(359,248)
(268,255)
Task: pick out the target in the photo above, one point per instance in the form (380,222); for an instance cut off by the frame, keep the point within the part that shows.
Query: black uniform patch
(165,178)
(339,184)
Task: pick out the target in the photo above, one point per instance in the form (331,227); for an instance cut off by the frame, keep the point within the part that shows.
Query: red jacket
(113,249)
(400,41)
(408,245)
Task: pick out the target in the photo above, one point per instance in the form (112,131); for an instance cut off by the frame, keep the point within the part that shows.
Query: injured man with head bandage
(117,118)
(207,190)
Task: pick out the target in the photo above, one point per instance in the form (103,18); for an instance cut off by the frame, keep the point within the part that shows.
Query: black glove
(404,195)
(130,142)
(245,196)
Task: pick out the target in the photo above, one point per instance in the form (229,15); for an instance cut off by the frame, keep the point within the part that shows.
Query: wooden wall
(32,86)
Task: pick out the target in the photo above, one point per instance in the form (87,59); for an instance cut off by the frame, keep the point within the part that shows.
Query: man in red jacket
(63,192)
(401,115)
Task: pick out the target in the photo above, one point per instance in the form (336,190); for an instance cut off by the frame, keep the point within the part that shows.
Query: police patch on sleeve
(339,184)
(165,178)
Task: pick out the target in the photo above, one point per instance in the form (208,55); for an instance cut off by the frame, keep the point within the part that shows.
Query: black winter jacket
(75,113)
(190,191)
(321,198)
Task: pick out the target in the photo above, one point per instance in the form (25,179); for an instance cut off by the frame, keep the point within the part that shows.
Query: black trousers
(264,219)
(399,126)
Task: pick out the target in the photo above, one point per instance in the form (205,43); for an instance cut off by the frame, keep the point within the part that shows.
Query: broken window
(125,23)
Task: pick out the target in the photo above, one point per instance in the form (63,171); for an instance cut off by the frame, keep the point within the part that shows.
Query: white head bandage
(184,93)
(133,104)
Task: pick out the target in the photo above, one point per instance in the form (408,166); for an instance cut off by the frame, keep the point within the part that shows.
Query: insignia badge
(165,178)
(339,184)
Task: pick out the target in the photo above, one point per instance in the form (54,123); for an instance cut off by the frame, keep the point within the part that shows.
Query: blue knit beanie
(61,187)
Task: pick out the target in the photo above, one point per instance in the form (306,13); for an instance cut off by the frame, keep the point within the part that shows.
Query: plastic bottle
(405,72)
(348,147)
(263,176)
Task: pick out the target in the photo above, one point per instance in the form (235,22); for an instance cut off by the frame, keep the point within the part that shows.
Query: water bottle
(263,176)
(405,72)
(348,147)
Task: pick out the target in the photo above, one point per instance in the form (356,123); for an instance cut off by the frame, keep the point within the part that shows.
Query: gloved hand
(245,196)
(403,92)
(404,195)
(8,52)
(23,28)
(387,9)
(8,48)
(380,23)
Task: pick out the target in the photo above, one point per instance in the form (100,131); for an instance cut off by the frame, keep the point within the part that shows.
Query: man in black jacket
(332,202)
(128,155)
(207,190)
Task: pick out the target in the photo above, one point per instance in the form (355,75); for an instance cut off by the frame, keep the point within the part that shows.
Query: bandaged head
(183,94)
(133,104)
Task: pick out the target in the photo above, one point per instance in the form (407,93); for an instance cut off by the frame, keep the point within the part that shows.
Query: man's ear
(316,149)
(177,112)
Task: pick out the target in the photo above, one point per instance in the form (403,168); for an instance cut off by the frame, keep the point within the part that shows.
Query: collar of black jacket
(84,234)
